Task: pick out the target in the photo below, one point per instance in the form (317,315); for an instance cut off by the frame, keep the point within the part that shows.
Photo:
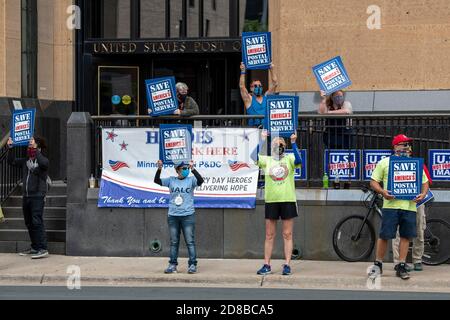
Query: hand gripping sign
(161,96)
(175,144)
(257,50)
(405,177)
(332,76)
(22,127)
(282,115)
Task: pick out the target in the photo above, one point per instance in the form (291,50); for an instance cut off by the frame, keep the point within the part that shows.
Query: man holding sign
(397,213)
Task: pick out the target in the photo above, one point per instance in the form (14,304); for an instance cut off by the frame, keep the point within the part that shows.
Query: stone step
(49,212)
(22,235)
(19,223)
(50,201)
(58,189)
(58,248)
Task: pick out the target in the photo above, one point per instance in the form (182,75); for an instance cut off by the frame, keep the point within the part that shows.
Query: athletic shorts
(283,210)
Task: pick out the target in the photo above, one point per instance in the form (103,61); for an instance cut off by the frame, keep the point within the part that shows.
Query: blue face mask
(258,91)
(338,100)
(185,173)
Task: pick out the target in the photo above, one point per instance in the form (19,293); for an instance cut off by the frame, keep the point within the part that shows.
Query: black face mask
(182,97)
(278,150)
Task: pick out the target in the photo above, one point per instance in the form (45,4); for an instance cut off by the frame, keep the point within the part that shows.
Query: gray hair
(182,86)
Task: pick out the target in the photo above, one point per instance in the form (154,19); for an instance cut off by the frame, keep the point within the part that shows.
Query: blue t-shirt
(181,195)
(257,108)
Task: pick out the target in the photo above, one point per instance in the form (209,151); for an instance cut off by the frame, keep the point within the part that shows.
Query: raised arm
(246,97)
(323,109)
(158,180)
(274,84)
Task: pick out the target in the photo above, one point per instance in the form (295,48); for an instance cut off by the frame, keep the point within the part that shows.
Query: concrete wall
(407,53)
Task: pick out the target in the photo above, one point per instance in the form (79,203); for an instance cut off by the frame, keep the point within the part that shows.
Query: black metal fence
(9,175)
(316,134)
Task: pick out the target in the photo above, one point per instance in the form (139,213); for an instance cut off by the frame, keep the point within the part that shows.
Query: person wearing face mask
(280,196)
(186,105)
(418,247)
(181,216)
(255,101)
(397,214)
(338,132)
(35,172)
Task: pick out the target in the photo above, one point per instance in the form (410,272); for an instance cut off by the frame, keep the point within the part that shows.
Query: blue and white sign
(439,164)
(161,96)
(429,197)
(344,164)
(22,127)
(370,160)
(176,143)
(332,76)
(257,50)
(221,156)
(301,174)
(405,177)
(282,115)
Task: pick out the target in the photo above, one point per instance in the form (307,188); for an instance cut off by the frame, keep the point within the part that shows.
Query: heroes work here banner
(282,115)
(405,177)
(332,76)
(257,50)
(161,96)
(222,157)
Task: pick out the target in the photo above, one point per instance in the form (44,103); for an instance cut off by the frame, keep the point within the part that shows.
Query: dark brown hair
(330,102)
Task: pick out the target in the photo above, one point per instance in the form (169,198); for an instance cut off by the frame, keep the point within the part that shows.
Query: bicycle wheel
(347,245)
(437,242)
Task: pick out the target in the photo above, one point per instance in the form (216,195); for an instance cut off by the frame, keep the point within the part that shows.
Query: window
(217,18)
(192,3)
(111,19)
(255,17)
(29,48)
(153,19)
(214,5)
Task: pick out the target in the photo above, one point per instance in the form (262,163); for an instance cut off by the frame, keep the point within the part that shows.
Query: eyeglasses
(407,144)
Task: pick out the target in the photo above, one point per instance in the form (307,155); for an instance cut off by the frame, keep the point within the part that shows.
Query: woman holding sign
(255,102)
(280,196)
(397,214)
(181,212)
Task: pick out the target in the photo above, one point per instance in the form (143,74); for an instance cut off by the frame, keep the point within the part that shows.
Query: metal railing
(316,133)
(9,175)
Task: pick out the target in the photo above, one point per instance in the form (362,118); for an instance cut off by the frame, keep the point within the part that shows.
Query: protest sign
(257,50)
(282,115)
(331,75)
(439,164)
(405,177)
(161,96)
(22,127)
(370,160)
(175,144)
(344,164)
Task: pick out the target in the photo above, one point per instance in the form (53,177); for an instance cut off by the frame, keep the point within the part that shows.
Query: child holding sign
(399,214)
(181,211)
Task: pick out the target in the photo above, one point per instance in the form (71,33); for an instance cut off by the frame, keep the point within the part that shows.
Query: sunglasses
(407,144)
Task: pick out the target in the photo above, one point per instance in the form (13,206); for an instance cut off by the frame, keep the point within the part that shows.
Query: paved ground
(148,272)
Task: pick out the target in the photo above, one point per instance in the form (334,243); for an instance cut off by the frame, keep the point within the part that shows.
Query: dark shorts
(283,210)
(404,220)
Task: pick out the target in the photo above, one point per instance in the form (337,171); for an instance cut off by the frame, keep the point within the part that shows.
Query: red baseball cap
(400,139)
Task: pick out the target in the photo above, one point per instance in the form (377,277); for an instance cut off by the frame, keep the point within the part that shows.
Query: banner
(22,127)
(343,164)
(332,76)
(161,96)
(429,197)
(405,177)
(222,157)
(439,164)
(257,50)
(370,160)
(282,115)
(301,174)
(176,144)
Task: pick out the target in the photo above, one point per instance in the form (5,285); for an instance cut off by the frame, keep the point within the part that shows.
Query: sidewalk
(131,272)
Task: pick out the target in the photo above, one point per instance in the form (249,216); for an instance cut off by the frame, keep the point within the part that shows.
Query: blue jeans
(187,225)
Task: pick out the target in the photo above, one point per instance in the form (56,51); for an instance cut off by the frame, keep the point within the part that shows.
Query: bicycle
(354,236)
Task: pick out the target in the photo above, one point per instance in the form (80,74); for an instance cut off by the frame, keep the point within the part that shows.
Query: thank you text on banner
(331,75)
(222,157)
(257,50)
(282,115)
(405,177)
(22,127)
(161,96)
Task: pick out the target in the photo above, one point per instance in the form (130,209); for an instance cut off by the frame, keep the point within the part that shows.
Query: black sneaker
(40,254)
(401,271)
(28,252)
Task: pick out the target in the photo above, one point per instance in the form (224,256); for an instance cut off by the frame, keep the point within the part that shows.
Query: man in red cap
(397,214)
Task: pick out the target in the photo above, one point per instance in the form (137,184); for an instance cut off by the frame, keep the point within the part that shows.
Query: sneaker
(192,269)
(418,266)
(172,268)
(401,271)
(286,270)
(408,268)
(28,252)
(266,269)
(376,269)
(40,254)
